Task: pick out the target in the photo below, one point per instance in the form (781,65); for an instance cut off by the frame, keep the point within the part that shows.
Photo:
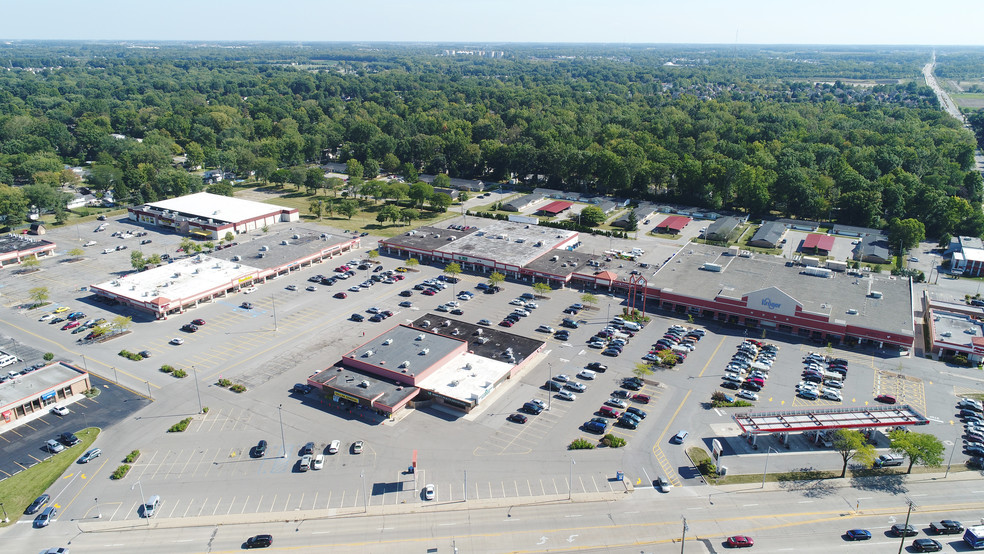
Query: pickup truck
(946,527)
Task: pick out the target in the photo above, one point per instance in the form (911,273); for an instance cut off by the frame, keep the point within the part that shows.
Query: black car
(517,418)
(631,385)
(189,328)
(900,529)
(623,394)
(357,317)
(729,385)
(376,318)
(39,502)
(308,449)
(751,386)
(377,269)
(598,367)
(532,408)
(552,385)
(260,449)
(301,388)
(406,293)
(259,541)
(69,439)
(927,545)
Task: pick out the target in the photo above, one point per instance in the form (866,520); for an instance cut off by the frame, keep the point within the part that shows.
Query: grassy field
(968,99)
(20,490)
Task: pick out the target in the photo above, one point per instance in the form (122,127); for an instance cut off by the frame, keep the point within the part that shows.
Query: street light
(197,390)
(904,529)
(770,451)
(98,513)
(952,448)
(365,494)
(570,489)
(142,499)
(283,438)
(5,518)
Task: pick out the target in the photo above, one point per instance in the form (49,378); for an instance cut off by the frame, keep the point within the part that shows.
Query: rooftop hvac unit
(364,384)
(947,334)
(284,242)
(876,294)
(367,353)
(424,351)
(406,363)
(295,237)
(420,337)
(817,272)
(708,266)
(451,238)
(388,342)
(971,331)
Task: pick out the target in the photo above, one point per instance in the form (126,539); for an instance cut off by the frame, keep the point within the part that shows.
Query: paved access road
(804,517)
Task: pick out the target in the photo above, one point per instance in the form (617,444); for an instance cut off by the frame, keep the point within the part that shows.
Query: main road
(804,516)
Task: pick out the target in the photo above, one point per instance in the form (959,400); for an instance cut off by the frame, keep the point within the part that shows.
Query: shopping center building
(211,216)
(27,396)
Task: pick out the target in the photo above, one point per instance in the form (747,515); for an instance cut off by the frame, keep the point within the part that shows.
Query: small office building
(16,248)
(35,393)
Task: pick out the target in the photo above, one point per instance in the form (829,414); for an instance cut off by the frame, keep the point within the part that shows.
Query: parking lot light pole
(570,489)
(283,438)
(143,499)
(197,390)
(98,513)
(766,469)
(5,518)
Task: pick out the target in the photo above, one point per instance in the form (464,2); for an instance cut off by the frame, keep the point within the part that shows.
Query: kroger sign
(768,303)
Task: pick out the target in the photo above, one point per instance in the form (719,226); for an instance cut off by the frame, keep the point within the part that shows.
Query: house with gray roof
(522,202)
(873,249)
(722,229)
(769,235)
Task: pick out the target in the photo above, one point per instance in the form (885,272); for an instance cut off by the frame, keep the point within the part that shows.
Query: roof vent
(388,342)
(425,351)
(367,353)
(420,337)
(364,384)
(406,363)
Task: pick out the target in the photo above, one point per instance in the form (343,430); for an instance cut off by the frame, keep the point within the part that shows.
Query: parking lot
(289,334)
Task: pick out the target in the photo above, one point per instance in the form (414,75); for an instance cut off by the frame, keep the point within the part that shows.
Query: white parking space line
(286,503)
(245,502)
(259,504)
(272,503)
(328,503)
(314,503)
(174,507)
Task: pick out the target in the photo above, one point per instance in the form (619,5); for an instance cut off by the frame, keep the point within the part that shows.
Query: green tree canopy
(591,216)
(922,448)
(851,445)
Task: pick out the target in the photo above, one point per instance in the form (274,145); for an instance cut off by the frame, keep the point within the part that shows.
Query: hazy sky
(940,22)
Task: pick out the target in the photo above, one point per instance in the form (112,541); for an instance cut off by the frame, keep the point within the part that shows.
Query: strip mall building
(759,292)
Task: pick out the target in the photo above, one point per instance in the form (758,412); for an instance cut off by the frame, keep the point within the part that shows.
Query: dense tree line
(741,128)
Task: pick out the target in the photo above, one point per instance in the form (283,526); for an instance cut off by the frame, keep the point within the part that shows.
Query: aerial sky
(942,22)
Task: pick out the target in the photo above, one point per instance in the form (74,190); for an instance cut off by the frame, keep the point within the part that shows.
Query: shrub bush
(166,368)
(131,355)
(132,456)
(179,373)
(237,388)
(180,426)
(224,383)
(48,356)
(612,441)
(581,444)
(121,471)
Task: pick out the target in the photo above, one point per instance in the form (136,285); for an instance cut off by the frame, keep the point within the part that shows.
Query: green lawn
(20,490)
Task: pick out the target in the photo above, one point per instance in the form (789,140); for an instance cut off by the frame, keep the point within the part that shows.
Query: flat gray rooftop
(25,386)
(310,241)
(16,243)
(427,238)
(834,296)
(567,262)
(507,242)
(364,385)
(494,348)
(956,329)
(421,348)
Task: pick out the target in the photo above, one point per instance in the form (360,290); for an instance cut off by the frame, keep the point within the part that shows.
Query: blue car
(858,534)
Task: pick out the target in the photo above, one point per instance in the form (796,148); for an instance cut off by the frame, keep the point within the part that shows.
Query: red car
(641,398)
(886,399)
(740,541)
(428,292)
(341,295)
(506,323)
(71,325)
(198,322)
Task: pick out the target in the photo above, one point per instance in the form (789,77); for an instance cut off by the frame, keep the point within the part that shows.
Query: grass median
(20,490)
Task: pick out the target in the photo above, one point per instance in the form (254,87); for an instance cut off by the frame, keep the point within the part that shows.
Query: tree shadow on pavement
(892,483)
(809,482)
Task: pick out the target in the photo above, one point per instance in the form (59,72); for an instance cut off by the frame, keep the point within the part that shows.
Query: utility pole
(200,407)
(683,539)
(906,528)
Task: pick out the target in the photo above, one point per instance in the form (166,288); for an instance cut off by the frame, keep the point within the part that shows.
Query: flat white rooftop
(184,278)
(220,209)
(466,377)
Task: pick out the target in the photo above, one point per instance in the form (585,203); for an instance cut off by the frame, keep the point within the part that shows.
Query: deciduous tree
(851,445)
(920,448)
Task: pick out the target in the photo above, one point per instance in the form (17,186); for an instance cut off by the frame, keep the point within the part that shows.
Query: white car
(291,287)
(452,304)
(354,288)
(177,341)
(60,410)
(532,305)
(334,446)
(521,312)
(517,302)
(616,403)
(566,395)
(545,329)
(46,317)
(318,462)
(562,378)
(747,394)
(429,492)
(831,394)
(249,290)
(587,374)
(804,385)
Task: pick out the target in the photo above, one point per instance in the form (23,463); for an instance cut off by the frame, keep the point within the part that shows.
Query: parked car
(39,503)
(517,418)
(927,545)
(740,541)
(259,541)
(679,437)
(90,455)
(858,534)
(586,374)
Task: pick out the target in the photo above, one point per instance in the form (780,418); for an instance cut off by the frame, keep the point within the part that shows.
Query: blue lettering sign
(768,303)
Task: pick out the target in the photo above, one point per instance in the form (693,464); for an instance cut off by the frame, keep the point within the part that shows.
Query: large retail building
(35,393)
(211,216)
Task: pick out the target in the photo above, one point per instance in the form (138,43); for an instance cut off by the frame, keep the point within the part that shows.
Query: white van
(618,320)
(632,326)
(150,508)
(7,359)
